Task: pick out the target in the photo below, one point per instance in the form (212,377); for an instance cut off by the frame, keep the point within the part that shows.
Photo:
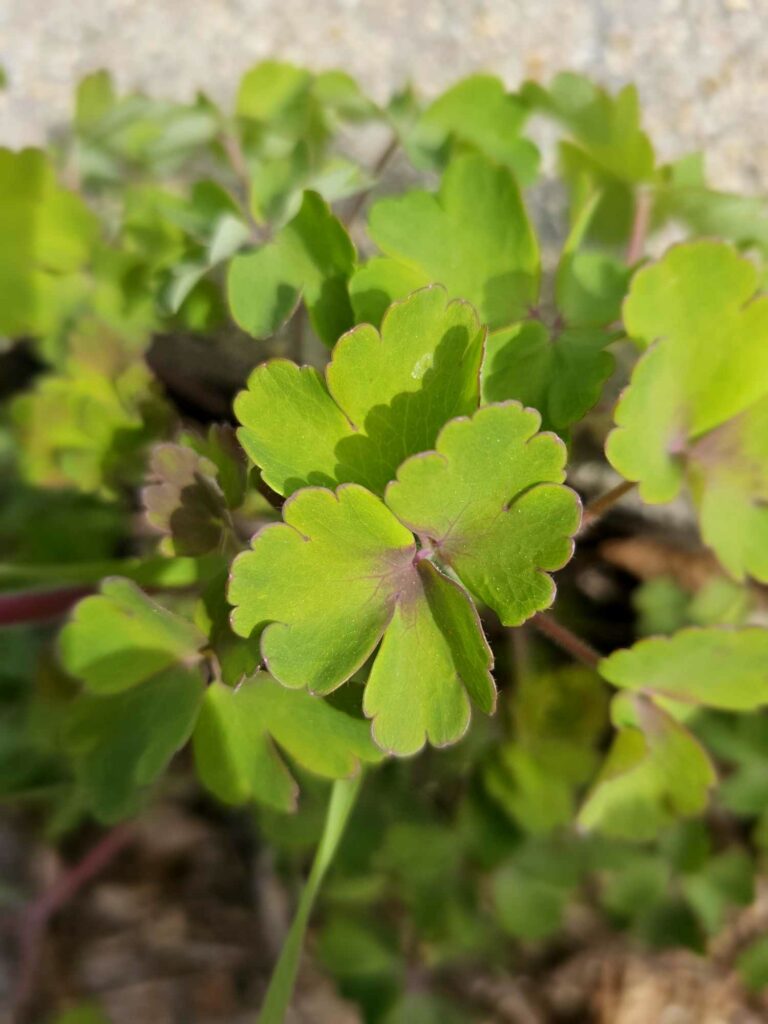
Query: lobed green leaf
(238,730)
(473,237)
(385,396)
(120,638)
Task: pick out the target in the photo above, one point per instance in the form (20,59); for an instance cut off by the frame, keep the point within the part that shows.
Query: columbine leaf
(477,112)
(682,194)
(728,477)
(275,92)
(119,638)
(561,369)
(560,374)
(385,397)
(123,741)
(220,446)
(473,237)
(609,151)
(190,495)
(651,776)
(607,127)
(235,737)
(184,500)
(590,284)
(530,892)
(89,424)
(318,583)
(559,718)
(708,362)
(590,287)
(228,234)
(291,100)
(290,425)
(433,655)
(726,881)
(47,233)
(719,668)
(236,658)
(491,503)
(341,95)
(324,587)
(119,135)
(310,259)
(287,117)
(94,98)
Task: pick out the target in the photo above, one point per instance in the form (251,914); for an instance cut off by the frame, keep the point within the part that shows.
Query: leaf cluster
(417,386)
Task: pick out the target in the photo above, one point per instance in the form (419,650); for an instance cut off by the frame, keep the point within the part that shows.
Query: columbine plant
(331,581)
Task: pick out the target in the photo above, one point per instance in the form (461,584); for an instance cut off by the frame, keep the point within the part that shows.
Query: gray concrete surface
(701,65)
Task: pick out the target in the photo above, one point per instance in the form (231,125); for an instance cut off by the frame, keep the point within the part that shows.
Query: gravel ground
(701,65)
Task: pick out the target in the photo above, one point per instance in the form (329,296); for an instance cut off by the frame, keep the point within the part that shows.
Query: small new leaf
(184,500)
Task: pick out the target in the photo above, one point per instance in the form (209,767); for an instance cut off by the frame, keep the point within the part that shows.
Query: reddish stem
(36,917)
(565,639)
(594,510)
(640,225)
(38,605)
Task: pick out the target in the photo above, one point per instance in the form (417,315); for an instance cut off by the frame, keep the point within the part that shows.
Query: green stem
(281,983)
(153,571)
